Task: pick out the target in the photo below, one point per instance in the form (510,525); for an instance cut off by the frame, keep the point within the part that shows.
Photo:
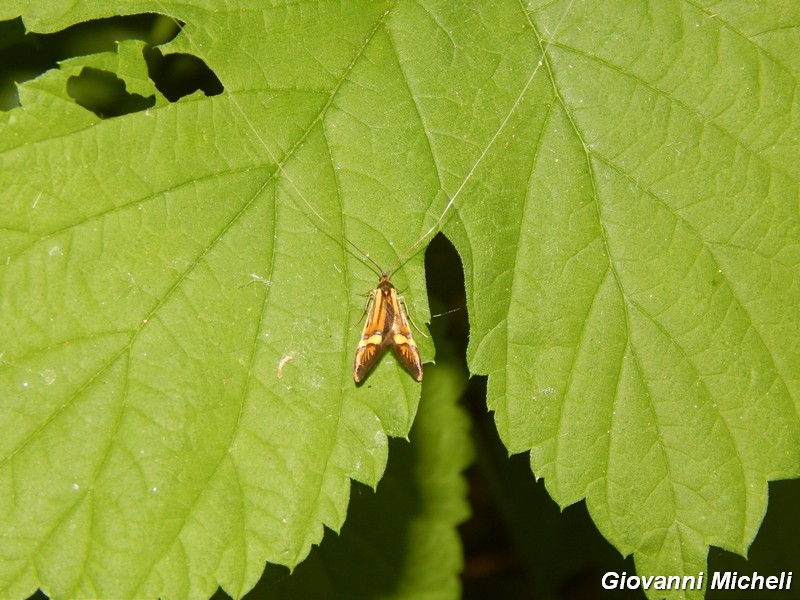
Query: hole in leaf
(105,95)
(178,75)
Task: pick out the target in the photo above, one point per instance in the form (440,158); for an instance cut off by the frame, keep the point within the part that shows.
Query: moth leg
(402,301)
(370,298)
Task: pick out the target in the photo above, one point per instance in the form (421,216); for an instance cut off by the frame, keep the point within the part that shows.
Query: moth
(387,320)
(386,326)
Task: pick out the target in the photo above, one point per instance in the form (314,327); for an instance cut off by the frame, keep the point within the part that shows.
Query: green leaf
(619,179)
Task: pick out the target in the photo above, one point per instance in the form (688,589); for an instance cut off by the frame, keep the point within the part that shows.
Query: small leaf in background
(401,540)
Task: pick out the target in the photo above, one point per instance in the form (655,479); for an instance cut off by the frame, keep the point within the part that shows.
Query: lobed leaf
(178,291)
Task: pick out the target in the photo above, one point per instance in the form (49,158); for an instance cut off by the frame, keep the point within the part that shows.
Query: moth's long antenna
(367,256)
(232,97)
(472,170)
(436,225)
